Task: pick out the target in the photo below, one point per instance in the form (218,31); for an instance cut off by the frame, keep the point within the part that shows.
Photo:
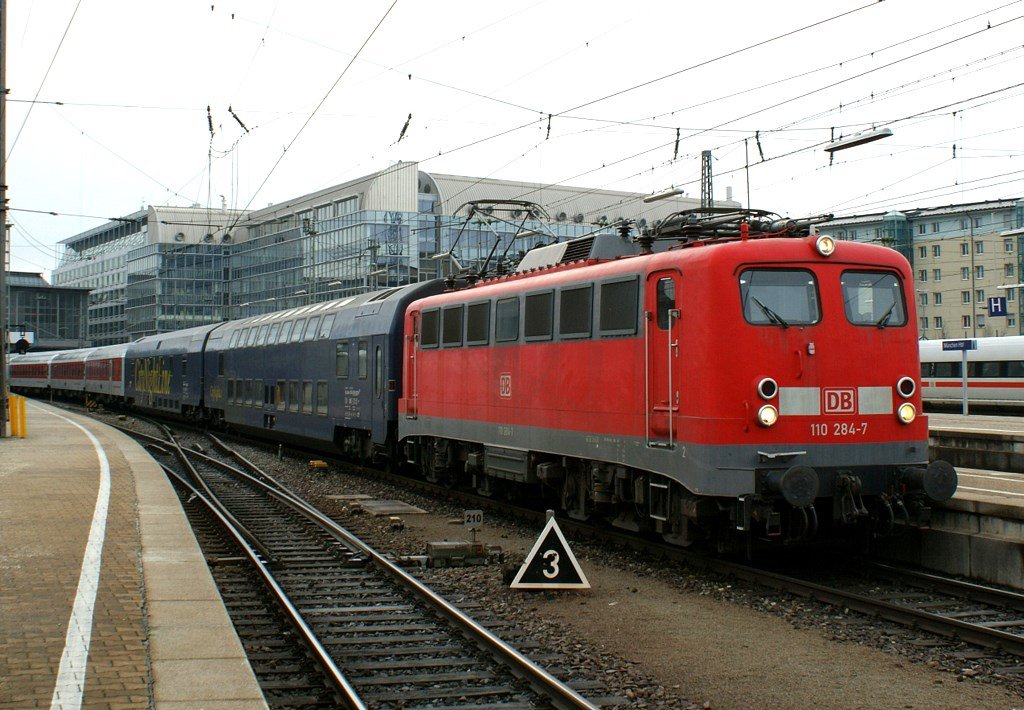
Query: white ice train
(995,372)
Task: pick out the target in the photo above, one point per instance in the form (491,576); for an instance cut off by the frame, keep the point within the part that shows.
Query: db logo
(505,385)
(839,401)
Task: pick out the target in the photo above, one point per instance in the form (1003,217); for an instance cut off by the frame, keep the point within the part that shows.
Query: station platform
(1007,424)
(979,533)
(105,599)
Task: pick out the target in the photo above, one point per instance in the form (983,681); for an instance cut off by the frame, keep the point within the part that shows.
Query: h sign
(996,306)
(839,401)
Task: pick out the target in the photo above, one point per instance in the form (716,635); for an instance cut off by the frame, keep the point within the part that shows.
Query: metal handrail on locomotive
(728,377)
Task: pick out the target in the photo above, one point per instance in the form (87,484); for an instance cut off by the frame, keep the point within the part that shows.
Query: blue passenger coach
(324,373)
(165,371)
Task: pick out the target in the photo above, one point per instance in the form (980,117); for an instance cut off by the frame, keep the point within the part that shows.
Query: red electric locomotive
(757,382)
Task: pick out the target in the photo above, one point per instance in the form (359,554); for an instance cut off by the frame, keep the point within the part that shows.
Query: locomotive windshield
(873,298)
(781,297)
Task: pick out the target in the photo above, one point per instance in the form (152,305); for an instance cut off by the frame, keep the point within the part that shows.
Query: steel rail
(349,697)
(561,696)
(935,623)
(179,453)
(904,615)
(957,587)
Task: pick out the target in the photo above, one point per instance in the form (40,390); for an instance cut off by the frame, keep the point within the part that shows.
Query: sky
(107,103)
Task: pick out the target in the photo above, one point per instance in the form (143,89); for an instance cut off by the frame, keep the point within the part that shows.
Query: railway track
(955,610)
(987,617)
(380,638)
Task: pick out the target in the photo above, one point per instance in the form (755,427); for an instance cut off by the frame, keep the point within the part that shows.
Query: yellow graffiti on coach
(152,375)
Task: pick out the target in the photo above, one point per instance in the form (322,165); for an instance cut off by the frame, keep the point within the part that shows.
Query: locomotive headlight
(767,415)
(906,387)
(767,388)
(906,413)
(825,245)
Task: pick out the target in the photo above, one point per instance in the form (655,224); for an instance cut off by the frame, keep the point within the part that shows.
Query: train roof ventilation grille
(577,249)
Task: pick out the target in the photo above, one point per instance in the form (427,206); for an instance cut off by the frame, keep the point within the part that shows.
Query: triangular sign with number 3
(550,564)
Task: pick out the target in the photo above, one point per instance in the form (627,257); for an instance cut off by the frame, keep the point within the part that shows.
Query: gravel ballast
(664,637)
(661,636)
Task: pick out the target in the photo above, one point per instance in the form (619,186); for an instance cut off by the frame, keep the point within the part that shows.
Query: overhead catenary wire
(621,92)
(317,108)
(611,162)
(42,82)
(749,114)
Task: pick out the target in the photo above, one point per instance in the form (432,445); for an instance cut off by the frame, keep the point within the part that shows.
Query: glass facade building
(172,287)
(316,257)
(169,268)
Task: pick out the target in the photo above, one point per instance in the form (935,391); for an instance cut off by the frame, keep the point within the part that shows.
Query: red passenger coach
(104,372)
(763,385)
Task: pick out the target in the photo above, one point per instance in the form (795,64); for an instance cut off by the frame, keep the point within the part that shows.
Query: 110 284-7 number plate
(839,429)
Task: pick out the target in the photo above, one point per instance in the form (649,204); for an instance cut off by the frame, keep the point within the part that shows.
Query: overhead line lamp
(856,139)
(671,192)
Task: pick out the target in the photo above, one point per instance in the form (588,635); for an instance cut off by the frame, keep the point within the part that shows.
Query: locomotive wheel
(484,485)
(429,467)
(574,494)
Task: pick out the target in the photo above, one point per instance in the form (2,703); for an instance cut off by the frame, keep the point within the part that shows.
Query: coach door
(661,354)
(412,346)
(378,406)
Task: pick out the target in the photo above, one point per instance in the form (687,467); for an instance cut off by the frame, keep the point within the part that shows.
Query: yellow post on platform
(12,414)
(17,415)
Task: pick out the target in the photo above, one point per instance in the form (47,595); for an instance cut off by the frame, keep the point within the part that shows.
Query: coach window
(451,326)
(539,313)
(325,327)
(429,329)
(234,339)
(275,332)
(310,333)
(253,332)
(248,392)
(297,332)
(779,297)
(293,396)
(575,312)
(341,360)
(873,298)
(618,307)
(361,359)
(666,300)
(989,369)
(307,397)
(378,371)
(231,391)
(321,398)
(220,363)
(279,395)
(946,369)
(286,331)
(478,323)
(243,337)
(506,320)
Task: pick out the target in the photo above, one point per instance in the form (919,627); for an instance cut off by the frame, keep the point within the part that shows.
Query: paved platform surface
(977,423)
(105,600)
